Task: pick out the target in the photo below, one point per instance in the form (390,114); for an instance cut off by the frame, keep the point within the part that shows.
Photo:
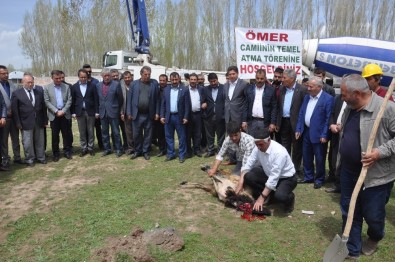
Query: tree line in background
(193,34)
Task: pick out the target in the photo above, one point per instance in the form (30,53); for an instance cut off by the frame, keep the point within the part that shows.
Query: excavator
(141,56)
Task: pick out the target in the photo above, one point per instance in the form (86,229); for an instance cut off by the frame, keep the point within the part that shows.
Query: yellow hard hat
(371,69)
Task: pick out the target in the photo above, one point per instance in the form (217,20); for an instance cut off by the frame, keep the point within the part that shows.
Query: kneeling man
(269,169)
(238,142)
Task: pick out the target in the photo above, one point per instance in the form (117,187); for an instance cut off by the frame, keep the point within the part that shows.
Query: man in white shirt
(313,129)
(269,170)
(194,126)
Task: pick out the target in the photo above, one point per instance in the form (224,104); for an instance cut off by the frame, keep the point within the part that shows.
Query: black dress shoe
(146,156)
(4,168)
(91,152)
(68,156)
(42,161)
(106,153)
(209,154)
(135,155)
(198,153)
(55,158)
(83,153)
(188,155)
(19,161)
(119,153)
(182,160)
(161,154)
(30,164)
(317,186)
(333,190)
(170,158)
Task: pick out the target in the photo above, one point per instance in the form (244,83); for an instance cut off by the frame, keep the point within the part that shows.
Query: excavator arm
(139,26)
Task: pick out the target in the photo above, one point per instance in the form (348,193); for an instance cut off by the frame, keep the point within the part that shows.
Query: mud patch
(136,245)
(22,197)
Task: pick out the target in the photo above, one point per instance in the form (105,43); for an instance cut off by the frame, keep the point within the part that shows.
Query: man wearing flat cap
(269,171)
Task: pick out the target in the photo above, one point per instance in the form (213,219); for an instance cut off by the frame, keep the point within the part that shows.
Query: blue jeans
(106,122)
(370,206)
(175,125)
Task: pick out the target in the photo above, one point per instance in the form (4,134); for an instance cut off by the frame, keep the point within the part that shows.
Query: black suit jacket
(183,103)
(24,115)
(218,104)
(90,99)
(297,100)
(269,104)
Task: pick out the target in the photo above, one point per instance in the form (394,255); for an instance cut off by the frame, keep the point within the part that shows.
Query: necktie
(30,95)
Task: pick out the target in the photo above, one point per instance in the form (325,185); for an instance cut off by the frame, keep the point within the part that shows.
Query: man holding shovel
(357,123)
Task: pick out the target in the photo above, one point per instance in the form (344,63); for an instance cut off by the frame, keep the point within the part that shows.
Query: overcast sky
(11,21)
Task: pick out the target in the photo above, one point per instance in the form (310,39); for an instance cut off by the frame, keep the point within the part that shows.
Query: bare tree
(186,33)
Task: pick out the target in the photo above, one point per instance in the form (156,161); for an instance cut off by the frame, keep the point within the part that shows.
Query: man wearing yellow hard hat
(373,73)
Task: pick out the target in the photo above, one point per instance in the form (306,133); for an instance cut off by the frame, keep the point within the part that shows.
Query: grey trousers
(86,125)
(10,130)
(33,144)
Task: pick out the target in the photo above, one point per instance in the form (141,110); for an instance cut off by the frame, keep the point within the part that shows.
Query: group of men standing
(283,122)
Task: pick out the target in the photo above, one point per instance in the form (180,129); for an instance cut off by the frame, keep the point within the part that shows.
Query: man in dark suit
(288,107)
(57,96)
(85,107)
(3,117)
(41,89)
(194,126)
(213,104)
(159,128)
(110,107)
(313,125)
(261,104)
(335,126)
(94,82)
(235,98)
(9,130)
(142,108)
(235,92)
(126,85)
(174,114)
(29,115)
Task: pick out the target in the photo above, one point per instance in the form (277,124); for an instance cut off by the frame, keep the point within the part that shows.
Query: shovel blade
(337,250)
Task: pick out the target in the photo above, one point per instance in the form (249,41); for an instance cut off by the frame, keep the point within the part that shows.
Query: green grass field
(64,211)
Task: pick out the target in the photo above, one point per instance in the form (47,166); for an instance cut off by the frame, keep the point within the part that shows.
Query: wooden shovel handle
(364,170)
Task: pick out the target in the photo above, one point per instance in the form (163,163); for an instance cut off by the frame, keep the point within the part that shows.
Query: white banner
(268,49)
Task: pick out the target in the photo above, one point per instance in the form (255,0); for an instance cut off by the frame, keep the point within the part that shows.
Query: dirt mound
(136,245)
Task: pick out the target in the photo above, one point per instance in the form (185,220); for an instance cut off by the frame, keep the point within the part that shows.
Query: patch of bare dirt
(22,196)
(136,245)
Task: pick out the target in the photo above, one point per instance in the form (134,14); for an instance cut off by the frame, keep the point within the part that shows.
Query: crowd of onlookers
(266,128)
